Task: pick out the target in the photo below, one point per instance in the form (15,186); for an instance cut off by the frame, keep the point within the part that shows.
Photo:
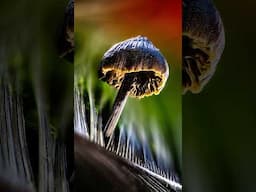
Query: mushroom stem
(119,104)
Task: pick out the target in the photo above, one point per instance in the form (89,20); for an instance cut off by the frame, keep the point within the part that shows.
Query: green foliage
(159,112)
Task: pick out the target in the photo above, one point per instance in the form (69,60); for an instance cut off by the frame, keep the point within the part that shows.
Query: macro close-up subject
(127,96)
(110,95)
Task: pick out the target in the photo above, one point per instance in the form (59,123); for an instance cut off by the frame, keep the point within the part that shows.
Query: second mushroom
(137,69)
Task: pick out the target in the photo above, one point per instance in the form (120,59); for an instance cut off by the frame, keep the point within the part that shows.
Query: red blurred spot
(157,19)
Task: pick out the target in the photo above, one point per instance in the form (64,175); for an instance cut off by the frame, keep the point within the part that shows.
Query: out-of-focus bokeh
(102,23)
(36,98)
(219,123)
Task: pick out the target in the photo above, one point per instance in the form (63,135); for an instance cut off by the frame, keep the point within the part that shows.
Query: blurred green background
(95,33)
(30,67)
(219,123)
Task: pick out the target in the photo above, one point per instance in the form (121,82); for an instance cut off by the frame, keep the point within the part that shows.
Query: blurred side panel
(36,96)
(219,122)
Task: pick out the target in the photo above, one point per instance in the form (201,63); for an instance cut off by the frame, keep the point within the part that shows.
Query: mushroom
(202,43)
(137,69)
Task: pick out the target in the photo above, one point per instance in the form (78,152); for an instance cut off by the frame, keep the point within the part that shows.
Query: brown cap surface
(137,56)
(202,43)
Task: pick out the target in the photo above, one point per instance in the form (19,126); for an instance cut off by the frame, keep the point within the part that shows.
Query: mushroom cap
(139,57)
(203,42)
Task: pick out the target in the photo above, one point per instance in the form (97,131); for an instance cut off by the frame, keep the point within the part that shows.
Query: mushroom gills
(203,41)
(136,84)
(145,83)
(135,67)
(195,66)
